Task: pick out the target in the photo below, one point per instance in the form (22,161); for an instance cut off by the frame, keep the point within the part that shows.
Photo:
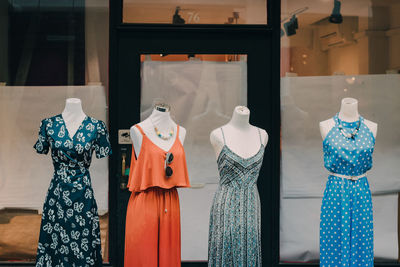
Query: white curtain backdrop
(25,175)
(202,95)
(308,100)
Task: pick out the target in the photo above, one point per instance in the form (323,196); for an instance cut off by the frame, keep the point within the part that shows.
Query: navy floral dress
(70,231)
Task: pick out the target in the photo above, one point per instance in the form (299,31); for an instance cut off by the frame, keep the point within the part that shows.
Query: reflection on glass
(45,63)
(202,91)
(195,12)
(317,49)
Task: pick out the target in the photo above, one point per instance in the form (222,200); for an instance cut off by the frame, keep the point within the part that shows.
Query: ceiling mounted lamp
(336,17)
(291,26)
(176,18)
(292,23)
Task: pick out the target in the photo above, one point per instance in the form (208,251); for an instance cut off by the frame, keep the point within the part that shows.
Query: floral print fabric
(70,231)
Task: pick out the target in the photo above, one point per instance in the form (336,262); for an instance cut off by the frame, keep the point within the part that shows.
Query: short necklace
(163,136)
(352,134)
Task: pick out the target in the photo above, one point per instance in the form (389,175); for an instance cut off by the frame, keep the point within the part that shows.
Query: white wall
(96,41)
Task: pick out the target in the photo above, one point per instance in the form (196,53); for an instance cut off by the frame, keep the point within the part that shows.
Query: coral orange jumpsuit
(153,232)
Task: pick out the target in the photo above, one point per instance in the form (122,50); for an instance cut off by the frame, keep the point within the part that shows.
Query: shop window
(331,52)
(50,51)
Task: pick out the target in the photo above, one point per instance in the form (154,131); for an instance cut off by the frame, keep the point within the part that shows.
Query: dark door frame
(262,45)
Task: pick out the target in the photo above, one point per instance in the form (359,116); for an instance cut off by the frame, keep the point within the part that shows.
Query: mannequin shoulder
(327,123)
(182,134)
(217,141)
(135,133)
(373,126)
(216,138)
(264,136)
(325,126)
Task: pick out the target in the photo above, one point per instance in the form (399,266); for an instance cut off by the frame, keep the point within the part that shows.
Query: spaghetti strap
(140,129)
(259,134)
(177,131)
(223,136)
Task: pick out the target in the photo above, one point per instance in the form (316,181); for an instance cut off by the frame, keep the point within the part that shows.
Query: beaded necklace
(163,136)
(352,134)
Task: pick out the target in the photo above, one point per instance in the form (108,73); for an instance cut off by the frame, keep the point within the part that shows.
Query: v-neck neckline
(242,158)
(79,128)
(163,150)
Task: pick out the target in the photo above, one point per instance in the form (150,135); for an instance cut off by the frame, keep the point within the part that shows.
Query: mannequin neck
(161,119)
(73,109)
(240,118)
(349,110)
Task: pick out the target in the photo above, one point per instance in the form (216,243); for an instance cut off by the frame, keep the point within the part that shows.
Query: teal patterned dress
(70,230)
(235,218)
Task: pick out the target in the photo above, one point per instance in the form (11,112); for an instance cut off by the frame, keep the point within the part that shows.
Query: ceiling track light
(292,23)
(336,17)
(291,26)
(177,18)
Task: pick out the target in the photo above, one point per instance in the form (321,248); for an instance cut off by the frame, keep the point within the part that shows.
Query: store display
(158,167)
(203,94)
(235,217)
(346,227)
(25,188)
(70,231)
(303,166)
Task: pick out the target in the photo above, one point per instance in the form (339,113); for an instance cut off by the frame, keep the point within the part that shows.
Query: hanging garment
(346,227)
(70,231)
(153,231)
(235,217)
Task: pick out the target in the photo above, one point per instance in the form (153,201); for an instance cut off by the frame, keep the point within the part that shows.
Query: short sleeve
(102,144)
(42,144)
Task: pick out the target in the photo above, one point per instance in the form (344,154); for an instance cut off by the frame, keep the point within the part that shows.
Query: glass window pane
(323,63)
(195,12)
(52,51)
(202,91)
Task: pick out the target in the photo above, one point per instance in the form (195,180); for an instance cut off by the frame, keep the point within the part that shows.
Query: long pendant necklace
(163,136)
(352,134)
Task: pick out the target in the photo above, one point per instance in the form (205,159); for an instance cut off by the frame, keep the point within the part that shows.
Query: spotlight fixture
(336,17)
(176,18)
(291,26)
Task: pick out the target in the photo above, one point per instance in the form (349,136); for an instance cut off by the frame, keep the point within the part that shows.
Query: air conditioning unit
(333,35)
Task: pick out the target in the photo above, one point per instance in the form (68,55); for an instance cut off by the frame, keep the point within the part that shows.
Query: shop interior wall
(195,11)
(377,33)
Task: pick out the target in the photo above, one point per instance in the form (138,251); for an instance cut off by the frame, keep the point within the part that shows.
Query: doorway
(143,54)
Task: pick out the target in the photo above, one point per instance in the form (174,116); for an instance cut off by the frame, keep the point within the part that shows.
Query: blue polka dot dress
(346,227)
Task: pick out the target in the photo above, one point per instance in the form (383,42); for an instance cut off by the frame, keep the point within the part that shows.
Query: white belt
(350,177)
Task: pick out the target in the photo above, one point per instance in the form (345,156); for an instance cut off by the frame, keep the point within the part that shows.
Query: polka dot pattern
(346,227)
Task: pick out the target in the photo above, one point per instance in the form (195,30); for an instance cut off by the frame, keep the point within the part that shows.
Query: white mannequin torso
(73,115)
(236,131)
(349,113)
(163,122)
